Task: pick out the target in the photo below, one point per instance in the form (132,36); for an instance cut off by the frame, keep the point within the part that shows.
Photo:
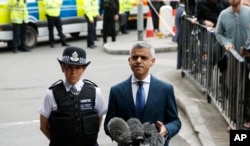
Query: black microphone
(120,131)
(152,136)
(136,128)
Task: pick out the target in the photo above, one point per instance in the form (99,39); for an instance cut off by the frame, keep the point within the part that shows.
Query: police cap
(74,55)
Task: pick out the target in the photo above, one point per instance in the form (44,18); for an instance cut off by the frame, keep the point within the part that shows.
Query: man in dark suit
(178,35)
(159,105)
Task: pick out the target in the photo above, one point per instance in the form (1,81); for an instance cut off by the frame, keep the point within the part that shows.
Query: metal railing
(226,88)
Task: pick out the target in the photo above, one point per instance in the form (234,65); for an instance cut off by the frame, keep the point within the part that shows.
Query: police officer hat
(74,56)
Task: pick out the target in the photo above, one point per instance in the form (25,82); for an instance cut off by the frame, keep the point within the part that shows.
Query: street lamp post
(140,21)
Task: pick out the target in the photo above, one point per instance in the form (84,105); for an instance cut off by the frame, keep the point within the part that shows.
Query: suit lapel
(151,94)
(129,95)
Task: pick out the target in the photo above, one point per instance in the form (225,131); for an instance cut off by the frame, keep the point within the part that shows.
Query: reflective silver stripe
(67,59)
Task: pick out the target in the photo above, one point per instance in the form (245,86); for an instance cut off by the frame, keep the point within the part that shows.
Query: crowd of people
(227,19)
(207,13)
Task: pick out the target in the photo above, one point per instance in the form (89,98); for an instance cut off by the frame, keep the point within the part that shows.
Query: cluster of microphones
(134,133)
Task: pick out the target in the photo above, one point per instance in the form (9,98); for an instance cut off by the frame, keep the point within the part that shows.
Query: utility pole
(140,21)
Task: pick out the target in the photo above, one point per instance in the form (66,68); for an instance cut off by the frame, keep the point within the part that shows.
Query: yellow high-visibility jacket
(126,5)
(18,11)
(91,8)
(53,7)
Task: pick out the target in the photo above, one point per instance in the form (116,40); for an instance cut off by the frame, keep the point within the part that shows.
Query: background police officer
(72,110)
(53,9)
(110,11)
(125,7)
(19,19)
(91,8)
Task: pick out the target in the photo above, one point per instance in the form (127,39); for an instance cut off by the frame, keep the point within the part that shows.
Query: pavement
(202,122)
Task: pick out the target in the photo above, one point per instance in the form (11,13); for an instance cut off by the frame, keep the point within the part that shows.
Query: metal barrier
(195,52)
(226,88)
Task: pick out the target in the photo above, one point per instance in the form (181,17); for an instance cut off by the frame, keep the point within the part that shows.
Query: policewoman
(72,109)
(19,18)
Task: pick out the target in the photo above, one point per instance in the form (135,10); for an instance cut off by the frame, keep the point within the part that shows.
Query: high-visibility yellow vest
(18,11)
(91,8)
(126,5)
(53,7)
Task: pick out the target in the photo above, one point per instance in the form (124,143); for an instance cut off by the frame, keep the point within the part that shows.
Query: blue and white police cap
(74,55)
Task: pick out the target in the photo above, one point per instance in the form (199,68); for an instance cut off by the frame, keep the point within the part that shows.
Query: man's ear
(152,61)
(129,59)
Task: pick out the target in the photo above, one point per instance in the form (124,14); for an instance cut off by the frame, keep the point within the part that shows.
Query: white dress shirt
(146,83)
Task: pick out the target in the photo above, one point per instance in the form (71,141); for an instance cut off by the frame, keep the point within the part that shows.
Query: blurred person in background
(91,8)
(109,10)
(125,7)
(53,9)
(232,32)
(19,18)
(155,9)
(208,11)
(232,26)
(190,7)
(180,12)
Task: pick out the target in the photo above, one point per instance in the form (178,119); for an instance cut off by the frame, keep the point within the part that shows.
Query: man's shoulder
(159,82)
(245,8)
(225,11)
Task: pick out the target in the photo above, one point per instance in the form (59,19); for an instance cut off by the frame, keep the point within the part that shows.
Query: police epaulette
(56,83)
(90,82)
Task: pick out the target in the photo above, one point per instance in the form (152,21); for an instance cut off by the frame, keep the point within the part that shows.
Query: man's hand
(116,17)
(229,46)
(100,17)
(244,52)
(208,23)
(162,129)
(194,20)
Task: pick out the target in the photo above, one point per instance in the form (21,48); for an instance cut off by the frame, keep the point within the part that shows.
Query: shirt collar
(145,80)
(78,85)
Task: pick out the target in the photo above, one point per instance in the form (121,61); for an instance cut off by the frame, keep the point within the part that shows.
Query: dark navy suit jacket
(178,21)
(160,105)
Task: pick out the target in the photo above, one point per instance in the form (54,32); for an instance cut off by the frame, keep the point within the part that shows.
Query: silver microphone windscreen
(136,128)
(119,131)
(152,136)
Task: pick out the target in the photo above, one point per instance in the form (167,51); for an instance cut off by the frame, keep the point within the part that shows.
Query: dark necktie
(140,99)
(73,91)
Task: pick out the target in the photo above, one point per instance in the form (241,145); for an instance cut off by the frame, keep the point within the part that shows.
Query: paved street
(24,78)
